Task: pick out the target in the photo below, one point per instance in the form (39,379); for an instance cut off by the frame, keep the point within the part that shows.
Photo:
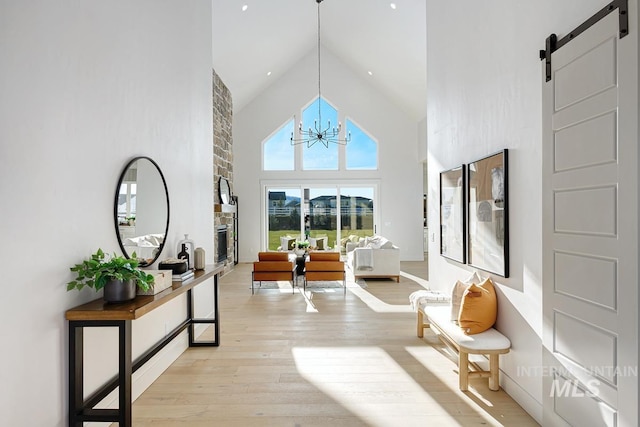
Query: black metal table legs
(81,410)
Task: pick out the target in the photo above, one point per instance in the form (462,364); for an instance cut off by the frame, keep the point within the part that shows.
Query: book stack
(183,277)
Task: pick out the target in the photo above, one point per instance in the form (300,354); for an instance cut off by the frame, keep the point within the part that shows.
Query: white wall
(85,87)
(399,174)
(422,140)
(484,94)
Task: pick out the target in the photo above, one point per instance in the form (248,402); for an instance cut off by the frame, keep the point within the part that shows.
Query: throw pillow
(479,308)
(458,290)
(456,299)
(374,242)
(385,243)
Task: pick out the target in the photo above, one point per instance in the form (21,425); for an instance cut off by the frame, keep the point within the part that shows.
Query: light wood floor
(322,359)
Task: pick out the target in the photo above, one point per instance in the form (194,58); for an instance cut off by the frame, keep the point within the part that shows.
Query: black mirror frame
(115,209)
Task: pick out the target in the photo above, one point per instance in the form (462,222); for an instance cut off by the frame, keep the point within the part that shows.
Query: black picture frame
(452,214)
(488,213)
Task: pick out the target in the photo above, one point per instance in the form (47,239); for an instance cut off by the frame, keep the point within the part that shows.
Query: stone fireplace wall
(223,160)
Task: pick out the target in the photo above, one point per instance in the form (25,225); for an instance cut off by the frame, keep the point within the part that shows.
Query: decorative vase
(187,244)
(184,254)
(299,251)
(198,259)
(119,290)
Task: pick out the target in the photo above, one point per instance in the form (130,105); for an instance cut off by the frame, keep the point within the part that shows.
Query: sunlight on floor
(308,296)
(376,304)
(426,353)
(378,398)
(357,289)
(419,280)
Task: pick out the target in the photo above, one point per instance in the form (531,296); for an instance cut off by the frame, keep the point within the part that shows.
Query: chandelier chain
(318,134)
(319,93)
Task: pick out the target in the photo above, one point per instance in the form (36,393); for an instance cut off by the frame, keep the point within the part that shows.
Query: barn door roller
(552,43)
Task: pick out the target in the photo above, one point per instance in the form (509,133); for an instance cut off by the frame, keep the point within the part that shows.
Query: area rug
(316,284)
(408,284)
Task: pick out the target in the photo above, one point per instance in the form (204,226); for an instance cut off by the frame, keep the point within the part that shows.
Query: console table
(99,314)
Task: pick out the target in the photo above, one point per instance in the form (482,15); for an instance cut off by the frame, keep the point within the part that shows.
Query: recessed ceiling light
(393,6)
(245,7)
(268,73)
(370,73)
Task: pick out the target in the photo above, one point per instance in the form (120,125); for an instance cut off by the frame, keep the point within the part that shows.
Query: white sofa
(374,258)
(145,246)
(319,243)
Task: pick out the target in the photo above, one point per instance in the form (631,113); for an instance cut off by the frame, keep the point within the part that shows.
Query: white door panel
(590,233)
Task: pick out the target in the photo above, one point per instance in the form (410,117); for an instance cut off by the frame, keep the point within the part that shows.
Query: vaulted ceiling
(384,37)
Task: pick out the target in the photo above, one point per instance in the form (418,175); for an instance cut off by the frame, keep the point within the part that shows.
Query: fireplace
(221,243)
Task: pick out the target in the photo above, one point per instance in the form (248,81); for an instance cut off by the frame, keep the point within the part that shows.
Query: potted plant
(119,276)
(301,247)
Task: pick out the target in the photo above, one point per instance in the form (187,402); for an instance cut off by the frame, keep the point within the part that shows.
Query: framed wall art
(488,214)
(452,212)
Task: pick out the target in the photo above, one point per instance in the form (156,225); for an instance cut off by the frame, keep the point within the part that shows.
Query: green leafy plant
(100,268)
(302,245)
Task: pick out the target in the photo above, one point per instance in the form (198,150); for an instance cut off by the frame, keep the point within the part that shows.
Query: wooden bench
(490,343)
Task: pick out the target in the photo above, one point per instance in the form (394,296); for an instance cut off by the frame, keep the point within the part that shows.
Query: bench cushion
(489,340)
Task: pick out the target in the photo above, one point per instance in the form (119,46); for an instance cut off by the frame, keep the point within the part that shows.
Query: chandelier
(318,133)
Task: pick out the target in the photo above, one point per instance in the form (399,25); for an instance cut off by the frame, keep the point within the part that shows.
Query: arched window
(277,151)
(278,154)
(319,157)
(362,150)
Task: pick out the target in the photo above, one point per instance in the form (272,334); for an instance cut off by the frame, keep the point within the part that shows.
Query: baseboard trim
(522,397)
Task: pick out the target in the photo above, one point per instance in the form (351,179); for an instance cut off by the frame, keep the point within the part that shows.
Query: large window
(317,156)
(311,213)
(284,216)
(357,211)
(323,214)
(319,211)
(278,153)
(362,150)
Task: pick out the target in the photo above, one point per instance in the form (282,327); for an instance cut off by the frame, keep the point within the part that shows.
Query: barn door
(590,218)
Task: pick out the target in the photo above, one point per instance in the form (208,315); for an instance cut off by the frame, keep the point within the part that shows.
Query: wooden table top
(142,304)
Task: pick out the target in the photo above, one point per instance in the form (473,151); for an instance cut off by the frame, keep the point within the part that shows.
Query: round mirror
(224,191)
(141,210)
